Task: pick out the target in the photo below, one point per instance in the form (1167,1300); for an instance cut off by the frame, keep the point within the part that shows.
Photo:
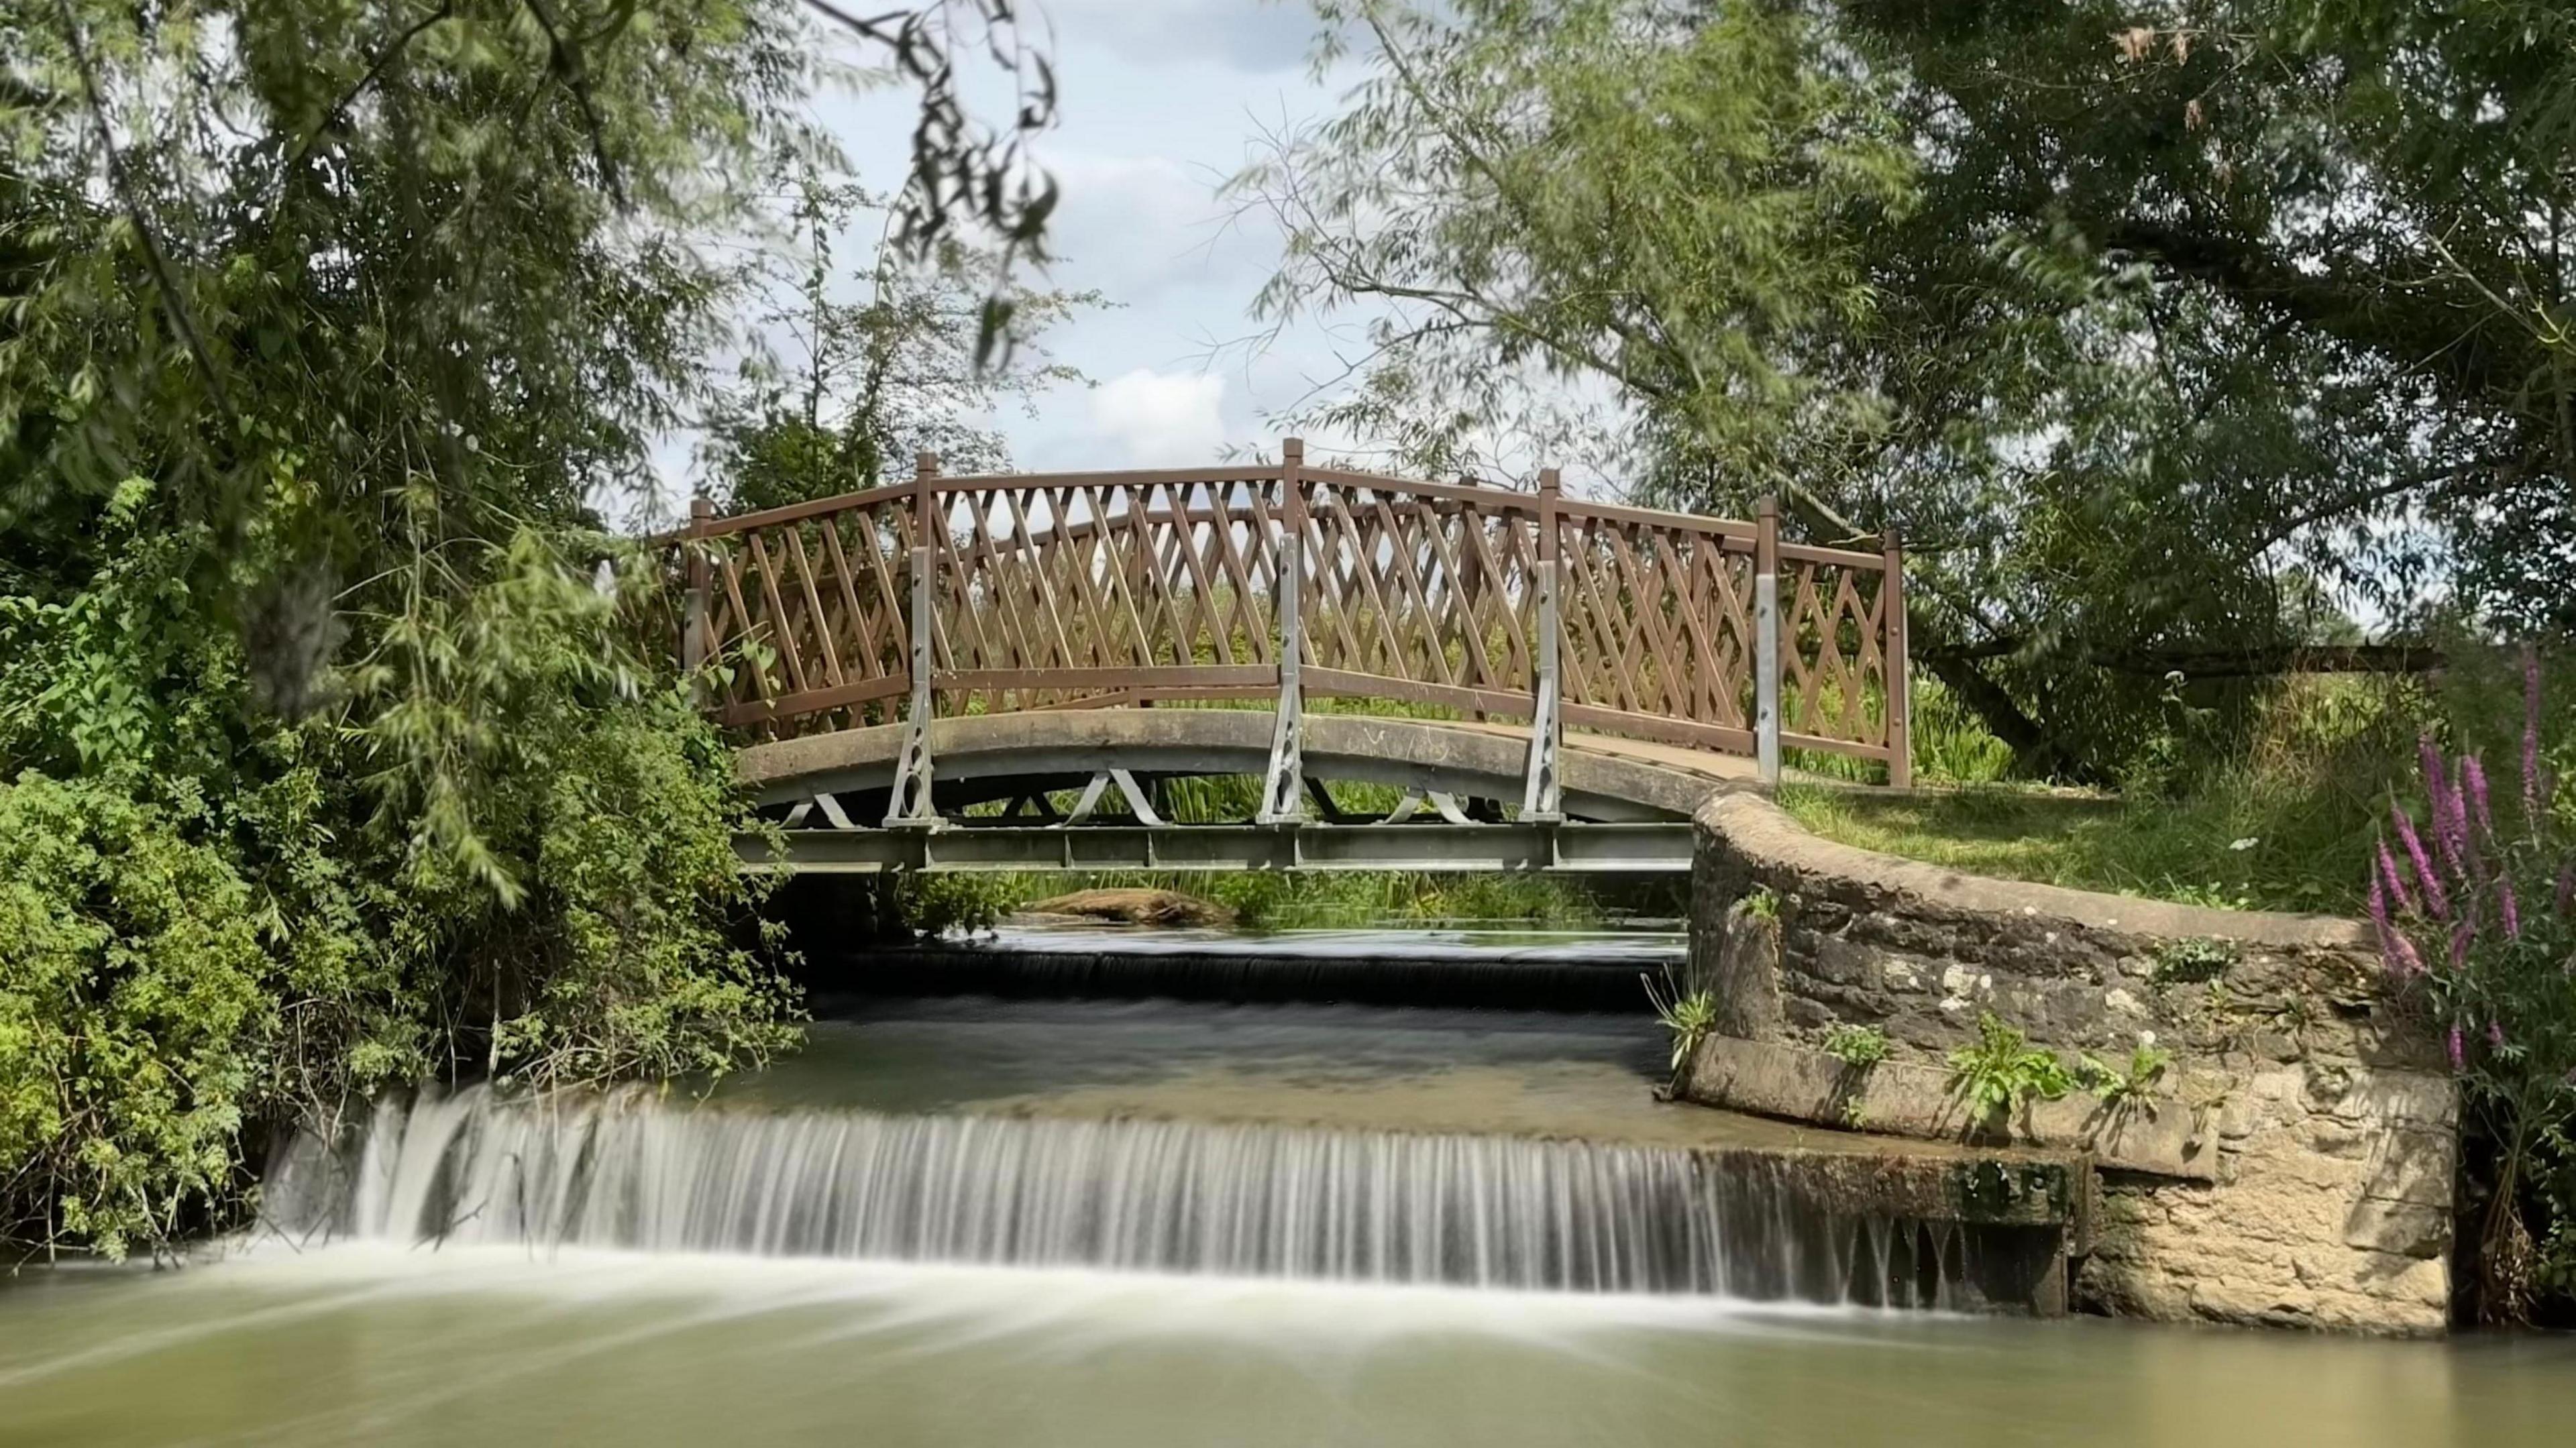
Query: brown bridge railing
(1092,590)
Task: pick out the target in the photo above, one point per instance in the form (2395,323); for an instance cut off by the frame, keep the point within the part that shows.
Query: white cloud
(1241,35)
(1162,419)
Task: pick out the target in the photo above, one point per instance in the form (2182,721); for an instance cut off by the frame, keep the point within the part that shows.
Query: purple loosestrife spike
(2437,791)
(2531,737)
(2495,1033)
(2405,960)
(2398,894)
(2461,935)
(2379,923)
(2452,832)
(2458,1051)
(2395,950)
(2505,904)
(2474,774)
(2436,902)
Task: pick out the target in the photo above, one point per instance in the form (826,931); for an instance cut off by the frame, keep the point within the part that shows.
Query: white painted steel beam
(1523,848)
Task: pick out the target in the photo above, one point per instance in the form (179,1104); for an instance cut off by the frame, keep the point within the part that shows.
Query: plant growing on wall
(1689,1015)
(1859,1047)
(2192,962)
(2001,1071)
(2475,909)
(2131,1086)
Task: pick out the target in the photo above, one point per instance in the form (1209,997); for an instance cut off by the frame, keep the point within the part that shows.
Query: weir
(1148,1196)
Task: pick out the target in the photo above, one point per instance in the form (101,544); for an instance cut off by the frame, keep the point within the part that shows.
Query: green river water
(736,1295)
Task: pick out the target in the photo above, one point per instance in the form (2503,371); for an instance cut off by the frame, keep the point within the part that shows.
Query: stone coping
(1766,836)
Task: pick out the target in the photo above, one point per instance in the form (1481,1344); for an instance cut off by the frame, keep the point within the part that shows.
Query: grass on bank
(2284,820)
(2238,847)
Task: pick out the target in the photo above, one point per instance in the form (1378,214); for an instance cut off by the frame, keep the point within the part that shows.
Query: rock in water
(1137,907)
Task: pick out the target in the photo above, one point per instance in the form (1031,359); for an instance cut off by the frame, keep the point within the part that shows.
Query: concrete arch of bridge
(989,756)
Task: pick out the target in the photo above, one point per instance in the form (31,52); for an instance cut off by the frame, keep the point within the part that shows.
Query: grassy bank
(2236,848)
(2284,820)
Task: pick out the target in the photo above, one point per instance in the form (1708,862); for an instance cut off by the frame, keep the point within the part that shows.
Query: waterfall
(630,1172)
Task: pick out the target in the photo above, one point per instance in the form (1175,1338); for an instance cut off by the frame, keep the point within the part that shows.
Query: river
(979,1221)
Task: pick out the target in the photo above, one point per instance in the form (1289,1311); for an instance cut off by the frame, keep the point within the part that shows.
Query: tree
(906,369)
(2141,320)
(326,324)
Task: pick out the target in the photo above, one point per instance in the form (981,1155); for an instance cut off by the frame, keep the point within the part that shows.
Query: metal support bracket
(1543,795)
(1326,808)
(1441,802)
(1137,801)
(910,804)
(833,815)
(1281,783)
(1766,640)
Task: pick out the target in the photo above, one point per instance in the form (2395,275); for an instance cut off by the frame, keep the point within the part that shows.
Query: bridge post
(910,803)
(1283,786)
(1542,798)
(1766,638)
(1892,643)
(701,585)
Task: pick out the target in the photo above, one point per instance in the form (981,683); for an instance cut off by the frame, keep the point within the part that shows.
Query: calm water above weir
(966,1221)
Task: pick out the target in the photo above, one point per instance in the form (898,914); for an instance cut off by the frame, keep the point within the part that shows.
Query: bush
(504,850)
(2475,908)
(137,1010)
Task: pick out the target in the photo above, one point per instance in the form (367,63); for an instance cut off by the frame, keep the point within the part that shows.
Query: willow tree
(325,325)
(2154,325)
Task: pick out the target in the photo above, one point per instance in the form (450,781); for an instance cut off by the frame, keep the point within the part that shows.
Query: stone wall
(2295,1164)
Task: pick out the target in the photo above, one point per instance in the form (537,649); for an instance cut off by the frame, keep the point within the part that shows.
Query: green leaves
(135,1012)
(1994,1076)
(1607,188)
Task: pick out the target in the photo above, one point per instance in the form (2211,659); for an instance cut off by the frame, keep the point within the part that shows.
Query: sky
(1161,101)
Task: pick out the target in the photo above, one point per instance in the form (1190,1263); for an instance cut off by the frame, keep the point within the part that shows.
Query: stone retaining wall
(2295,1164)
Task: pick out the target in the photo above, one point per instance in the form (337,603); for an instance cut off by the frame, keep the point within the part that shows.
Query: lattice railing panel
(1421,595)
(1088,590)
(1834,674)
(1659,625)
(1050,595)
(808,614)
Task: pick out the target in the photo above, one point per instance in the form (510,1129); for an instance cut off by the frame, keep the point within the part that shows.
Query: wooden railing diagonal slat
(782,635)
(821,629)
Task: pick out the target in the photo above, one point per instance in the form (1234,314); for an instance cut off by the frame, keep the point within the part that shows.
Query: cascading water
(1138,1195)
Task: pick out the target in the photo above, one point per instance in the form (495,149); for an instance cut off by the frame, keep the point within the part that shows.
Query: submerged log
(1137,907)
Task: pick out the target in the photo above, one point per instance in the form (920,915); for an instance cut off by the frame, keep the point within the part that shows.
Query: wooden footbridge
(922,673)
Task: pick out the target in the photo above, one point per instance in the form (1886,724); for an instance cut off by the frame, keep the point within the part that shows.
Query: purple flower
(2531,736)
(2396,880)
(2450,821)
(2505,903)
(2495,1033)
(2474,774)
(2408,963)
(2435,901)
(2459,1055)
(2395,950)
(2461,935)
